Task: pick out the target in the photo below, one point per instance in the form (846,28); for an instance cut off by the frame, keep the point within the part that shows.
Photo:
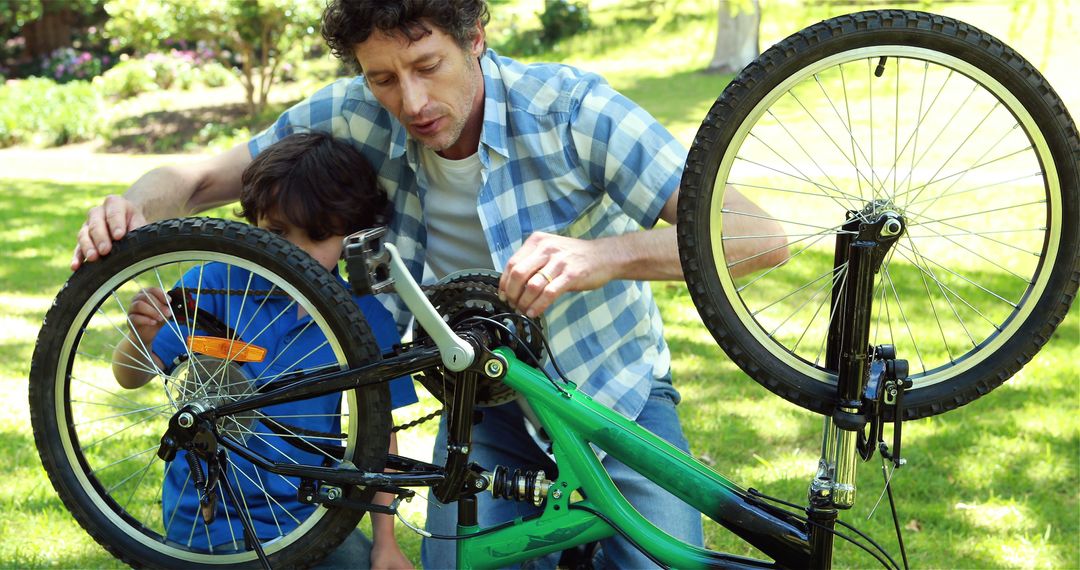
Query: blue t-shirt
(293,345)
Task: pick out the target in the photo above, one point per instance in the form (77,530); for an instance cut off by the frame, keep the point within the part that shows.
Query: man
(542,171)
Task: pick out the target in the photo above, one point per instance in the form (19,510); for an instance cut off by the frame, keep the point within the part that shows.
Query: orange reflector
(226,349)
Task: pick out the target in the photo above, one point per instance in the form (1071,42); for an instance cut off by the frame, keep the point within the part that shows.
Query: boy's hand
(147,314)
(387,555)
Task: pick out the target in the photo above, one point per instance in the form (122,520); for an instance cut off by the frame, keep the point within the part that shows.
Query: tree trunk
(51,31)
(736,35)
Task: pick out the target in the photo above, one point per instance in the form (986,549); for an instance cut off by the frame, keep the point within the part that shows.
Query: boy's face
(326,252)
(433,87)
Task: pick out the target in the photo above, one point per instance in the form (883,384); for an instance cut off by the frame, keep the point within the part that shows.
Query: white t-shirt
(455,237)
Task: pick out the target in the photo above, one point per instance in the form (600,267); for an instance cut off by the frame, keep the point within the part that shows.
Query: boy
(312,190)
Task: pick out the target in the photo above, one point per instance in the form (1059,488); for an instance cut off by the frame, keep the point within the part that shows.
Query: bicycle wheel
(98,441)
(865,113)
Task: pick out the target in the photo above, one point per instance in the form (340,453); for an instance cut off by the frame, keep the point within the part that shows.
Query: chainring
(465,296)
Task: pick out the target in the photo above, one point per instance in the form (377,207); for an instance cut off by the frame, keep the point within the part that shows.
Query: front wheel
(98,441)
(874,112)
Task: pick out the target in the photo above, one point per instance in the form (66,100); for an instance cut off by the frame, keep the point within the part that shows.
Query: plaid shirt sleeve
(626,152)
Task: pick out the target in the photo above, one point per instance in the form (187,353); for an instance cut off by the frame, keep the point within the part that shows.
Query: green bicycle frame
(574,421)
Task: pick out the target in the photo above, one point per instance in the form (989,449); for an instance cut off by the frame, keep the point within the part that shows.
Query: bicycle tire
(94,438)
(915,53)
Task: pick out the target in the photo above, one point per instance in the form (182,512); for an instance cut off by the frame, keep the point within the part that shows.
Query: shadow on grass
(41,222)
(184,130)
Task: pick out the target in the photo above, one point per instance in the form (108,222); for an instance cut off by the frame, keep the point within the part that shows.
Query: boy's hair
(317,182)
(347,23)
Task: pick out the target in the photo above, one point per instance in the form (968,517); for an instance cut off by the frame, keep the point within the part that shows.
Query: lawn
(992,485)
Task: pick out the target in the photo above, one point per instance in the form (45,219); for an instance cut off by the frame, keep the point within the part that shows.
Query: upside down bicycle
(944,234)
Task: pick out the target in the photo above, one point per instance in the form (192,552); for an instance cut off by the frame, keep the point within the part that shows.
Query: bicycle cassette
(216,382)
(473,296)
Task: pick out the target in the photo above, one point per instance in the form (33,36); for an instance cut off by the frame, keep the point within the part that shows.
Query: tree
(736,35)
(253,37)
(45,25)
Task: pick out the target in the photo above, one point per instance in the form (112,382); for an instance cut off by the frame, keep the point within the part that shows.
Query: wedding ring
(544,275)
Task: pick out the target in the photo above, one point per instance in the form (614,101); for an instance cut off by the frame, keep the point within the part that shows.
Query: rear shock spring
(531,486)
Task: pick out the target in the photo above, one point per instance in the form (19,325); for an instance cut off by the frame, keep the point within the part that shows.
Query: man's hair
(317,182)
(347,23)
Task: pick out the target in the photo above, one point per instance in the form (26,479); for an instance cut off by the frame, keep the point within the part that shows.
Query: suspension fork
(860,250)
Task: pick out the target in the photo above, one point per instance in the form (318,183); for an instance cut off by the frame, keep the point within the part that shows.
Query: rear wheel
(867,113)
(99,442)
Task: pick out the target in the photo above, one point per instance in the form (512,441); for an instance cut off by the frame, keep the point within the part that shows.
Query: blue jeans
(501,439)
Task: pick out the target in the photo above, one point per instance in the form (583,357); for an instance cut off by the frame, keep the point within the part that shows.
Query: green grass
(991,485)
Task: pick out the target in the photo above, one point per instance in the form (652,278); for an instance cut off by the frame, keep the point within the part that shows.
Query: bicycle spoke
(903,317)
(273,515)
(859,174)
(790,191)
(123,414)
(832,285)
(841,275)
(97,470)
(168,523)
(933,310)
(953,292)
(789,294)
(270,498)
(296,336)
(944,129)
(291,434)
(945,296)
(832,183)
(795,311)
(957,150)
(977,188)
(977,254)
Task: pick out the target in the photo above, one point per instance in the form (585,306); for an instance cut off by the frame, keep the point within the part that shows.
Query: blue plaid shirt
(561,152)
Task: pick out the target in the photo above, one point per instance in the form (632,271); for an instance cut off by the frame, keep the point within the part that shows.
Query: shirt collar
(493,133)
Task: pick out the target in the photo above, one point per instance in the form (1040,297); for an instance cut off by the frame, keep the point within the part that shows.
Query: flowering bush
(183,66)
(176,69)
(67,64)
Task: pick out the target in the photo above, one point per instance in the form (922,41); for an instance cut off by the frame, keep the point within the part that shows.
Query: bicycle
(872,242)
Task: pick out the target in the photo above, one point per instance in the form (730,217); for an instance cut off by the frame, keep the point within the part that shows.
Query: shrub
(128,79)
(562,19)
(213,74)
(67,64)
(187,68)
(40,112)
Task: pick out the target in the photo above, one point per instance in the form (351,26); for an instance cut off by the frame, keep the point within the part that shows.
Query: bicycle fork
(860,250)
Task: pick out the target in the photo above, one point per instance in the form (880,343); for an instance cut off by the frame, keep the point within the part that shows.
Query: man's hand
(114,218)
(549,265)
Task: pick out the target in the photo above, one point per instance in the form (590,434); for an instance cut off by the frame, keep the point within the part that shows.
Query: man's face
(432,86)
